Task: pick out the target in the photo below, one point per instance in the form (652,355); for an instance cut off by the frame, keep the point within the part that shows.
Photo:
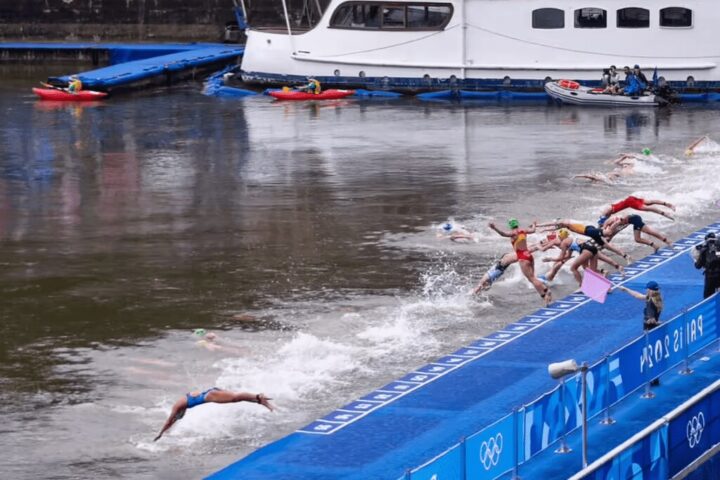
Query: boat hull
(65,96)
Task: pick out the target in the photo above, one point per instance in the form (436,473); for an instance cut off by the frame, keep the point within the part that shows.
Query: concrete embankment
(117,20)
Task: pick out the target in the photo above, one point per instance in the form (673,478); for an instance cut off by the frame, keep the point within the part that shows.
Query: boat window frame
(548,9)
(617,18)
(381,6)
(692,18)
(575,18)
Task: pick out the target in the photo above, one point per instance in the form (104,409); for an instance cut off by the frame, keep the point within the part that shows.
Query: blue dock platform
(390,432)
(132,64)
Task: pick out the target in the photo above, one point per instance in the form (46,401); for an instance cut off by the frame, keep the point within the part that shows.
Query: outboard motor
(666,93)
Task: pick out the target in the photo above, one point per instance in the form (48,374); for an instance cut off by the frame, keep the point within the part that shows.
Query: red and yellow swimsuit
(519,243)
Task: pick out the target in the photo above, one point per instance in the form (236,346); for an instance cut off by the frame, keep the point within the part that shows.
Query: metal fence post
(686,370)
(648,351)
(607,419)
(563,448)
(407,474)
(463,457)
(516,448)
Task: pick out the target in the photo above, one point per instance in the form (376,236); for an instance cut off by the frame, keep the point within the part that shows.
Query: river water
(303,235)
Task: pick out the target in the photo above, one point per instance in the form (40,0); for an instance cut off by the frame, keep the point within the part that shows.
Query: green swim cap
(513,223)
(646,151)
(199,332)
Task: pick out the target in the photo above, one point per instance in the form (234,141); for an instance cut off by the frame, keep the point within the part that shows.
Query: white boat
(478,44)
(571,92)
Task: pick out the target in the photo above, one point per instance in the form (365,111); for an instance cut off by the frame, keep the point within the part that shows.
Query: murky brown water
(126,224)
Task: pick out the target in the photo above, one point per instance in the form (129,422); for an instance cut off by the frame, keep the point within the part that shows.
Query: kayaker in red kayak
(313,86)
(75,84)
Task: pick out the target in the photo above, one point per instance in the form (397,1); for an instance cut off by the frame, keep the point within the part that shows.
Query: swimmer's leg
(656,234)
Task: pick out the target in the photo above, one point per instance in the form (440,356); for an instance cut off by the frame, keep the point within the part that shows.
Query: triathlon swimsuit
(522,253)
(630,202)
(496,272)
(590,246)
(194,401)
(636,221)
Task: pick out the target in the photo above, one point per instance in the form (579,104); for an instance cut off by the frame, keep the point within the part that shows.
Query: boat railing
(545,422)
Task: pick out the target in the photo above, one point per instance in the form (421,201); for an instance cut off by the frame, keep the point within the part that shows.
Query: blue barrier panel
(491,452)
(544,423)
(597,393)
(693,432)
(449,466)
(644,460)
(701,324)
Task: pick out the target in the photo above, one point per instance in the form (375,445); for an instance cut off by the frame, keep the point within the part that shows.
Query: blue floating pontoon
(131,63)
(412,420)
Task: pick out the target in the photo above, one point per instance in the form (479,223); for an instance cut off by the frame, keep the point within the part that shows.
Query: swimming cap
(513,223)
(652,285)
(646,151)
(447,226)
(199,332)
(563,233)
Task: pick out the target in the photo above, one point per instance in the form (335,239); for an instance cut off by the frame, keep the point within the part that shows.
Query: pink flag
(595,286)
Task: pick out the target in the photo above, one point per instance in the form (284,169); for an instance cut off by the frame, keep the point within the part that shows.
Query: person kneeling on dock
(213,395)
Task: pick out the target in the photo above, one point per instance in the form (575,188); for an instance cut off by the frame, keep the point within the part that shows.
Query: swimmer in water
(636,203)
(690,150)
(495,272)
(213,395)
(518,239)
(609,178)
(596,234)
(455,232)
(614,225)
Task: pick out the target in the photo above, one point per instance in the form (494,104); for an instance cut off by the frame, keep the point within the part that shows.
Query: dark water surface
(303,234)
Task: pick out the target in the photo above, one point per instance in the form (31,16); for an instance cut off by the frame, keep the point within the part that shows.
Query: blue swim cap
(447,226)
(602,220)
(652,285)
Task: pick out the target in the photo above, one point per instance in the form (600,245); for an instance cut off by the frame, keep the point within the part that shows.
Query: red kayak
(65,96)
(324,95)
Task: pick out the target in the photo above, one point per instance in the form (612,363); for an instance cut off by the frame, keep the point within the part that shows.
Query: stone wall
(115,20)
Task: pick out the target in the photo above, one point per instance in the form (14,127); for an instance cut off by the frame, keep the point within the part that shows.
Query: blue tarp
(407,422)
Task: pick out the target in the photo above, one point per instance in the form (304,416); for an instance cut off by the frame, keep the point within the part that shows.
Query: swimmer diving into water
(614,225)
(569,245)
(213,395)
(518,238)
(591,231)
(636,203)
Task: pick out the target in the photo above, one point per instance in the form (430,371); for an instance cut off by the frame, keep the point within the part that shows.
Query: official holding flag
(653,303)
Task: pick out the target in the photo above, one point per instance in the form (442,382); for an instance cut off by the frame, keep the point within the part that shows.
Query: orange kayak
(65,96)
(324,95)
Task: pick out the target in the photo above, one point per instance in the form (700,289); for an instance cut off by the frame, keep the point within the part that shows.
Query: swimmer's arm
(532,228)
(180,405)
(615,249)
(500,232)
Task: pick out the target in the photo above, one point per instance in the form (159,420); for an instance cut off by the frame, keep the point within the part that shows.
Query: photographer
(708,258)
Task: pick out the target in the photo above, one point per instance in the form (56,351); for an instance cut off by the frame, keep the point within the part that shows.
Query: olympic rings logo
(490,451)
(695,427)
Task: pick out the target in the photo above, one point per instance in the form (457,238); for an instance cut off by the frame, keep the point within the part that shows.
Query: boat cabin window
(270,14)
(675,17)
(389,16)
(548,18)
(590,18)
(633,17)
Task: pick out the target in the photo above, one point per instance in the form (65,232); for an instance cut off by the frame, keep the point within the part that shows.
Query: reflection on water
(125,223)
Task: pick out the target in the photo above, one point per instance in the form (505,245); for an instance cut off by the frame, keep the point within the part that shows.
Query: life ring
(569,84)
